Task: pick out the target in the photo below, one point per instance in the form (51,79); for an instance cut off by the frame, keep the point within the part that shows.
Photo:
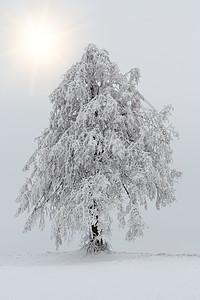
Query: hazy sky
(162,38)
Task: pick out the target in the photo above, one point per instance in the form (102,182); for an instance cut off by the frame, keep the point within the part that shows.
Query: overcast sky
(161,38)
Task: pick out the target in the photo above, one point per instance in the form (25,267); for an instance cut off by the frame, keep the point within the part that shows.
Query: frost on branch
(103,145)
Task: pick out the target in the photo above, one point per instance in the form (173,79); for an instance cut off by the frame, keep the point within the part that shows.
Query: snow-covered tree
(105,149)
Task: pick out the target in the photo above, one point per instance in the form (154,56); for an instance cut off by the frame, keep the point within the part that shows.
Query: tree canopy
(104,149)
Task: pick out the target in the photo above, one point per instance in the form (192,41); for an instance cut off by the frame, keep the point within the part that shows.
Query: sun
(40,41)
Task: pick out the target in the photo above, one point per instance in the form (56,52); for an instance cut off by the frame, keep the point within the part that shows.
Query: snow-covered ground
(114,276)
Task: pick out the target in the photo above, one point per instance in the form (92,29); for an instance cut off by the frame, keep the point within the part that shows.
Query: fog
(162,39)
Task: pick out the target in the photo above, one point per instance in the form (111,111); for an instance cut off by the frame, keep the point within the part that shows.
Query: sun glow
(40,42)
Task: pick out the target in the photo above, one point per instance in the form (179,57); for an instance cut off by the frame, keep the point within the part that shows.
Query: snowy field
(114,276)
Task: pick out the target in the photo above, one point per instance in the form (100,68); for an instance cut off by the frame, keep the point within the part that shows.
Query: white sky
(162,38)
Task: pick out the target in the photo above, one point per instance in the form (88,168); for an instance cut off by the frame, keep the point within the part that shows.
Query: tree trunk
(95,243)
(95,234)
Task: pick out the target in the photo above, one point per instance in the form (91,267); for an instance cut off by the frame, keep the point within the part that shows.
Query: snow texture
(103,150)
(117,276)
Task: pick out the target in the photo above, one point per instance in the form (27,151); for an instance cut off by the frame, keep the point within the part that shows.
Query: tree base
(96,246)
